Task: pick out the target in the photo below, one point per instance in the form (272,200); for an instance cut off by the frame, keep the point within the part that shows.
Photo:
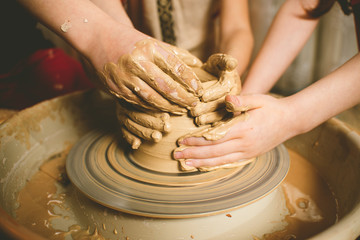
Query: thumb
(220,62)
(243,103)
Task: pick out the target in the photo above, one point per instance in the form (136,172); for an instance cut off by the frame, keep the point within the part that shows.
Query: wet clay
(309,199)
(311,204)
(40,197)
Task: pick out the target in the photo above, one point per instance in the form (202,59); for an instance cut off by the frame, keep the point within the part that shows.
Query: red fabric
(45,74)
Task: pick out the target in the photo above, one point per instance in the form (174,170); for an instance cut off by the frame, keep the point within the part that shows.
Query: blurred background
(331,45)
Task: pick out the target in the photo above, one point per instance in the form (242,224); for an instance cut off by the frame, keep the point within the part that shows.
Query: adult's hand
(137,125)
(221,67)
(154,76)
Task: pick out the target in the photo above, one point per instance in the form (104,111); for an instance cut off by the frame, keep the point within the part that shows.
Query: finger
(216,133)
(209,151)
(121,91)
(237,88)
(227,161)
(211,164)
(156,121)
(177,69)
(165,85)
(218,63)
(240,104)
(226,83)
(211,117)
(185,167)
(134,141)
(148,95)
(202,108)
(140,131)
(186,56)
(221,128)
(213,109)
(203,75)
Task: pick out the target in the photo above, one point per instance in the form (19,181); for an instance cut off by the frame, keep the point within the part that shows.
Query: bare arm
(236,37)
(287,35)
(115,9)
(328,97)
(127,63)
(90,30)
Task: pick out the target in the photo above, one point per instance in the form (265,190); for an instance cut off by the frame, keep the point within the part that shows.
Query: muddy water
(44,200)
(310,201)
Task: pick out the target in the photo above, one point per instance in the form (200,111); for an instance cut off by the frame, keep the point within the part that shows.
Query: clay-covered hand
(221,67)
(155,76)
(260,123)
(137,125)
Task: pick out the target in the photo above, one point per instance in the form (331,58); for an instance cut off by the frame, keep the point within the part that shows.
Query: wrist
(110,41)
(301,116)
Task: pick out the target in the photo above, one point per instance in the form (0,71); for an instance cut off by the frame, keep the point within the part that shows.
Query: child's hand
(267,124)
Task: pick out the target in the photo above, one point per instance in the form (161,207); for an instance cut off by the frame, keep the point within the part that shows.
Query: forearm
(287,35)
(87,28)
(328,97)
(236,37)
(115,9)
(55,13)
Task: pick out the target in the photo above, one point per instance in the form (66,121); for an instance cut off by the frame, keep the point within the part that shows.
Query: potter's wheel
(118,182)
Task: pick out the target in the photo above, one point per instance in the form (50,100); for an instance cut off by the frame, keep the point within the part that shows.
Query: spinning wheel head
(107,172)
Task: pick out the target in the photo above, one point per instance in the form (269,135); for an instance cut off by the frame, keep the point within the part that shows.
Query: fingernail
(178,155)
(189,163)
(229,97)
(180,141)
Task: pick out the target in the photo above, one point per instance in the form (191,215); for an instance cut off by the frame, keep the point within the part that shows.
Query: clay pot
(34,134)
(158,156)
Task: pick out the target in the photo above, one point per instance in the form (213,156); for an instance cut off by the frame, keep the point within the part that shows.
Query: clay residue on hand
(238,164)
(224,67)
(231,107)
(209,118)
(153,76)
(218,130)
(66,26)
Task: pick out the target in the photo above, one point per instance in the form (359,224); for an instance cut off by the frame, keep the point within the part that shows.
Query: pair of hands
(157,79)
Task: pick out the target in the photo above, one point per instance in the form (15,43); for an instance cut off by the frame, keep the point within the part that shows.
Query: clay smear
(66,26)
(40,197)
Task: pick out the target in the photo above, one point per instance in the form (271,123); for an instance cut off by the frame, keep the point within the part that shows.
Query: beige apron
(189,24)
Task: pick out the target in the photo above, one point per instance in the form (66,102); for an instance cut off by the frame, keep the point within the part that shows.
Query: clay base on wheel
(104,168)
